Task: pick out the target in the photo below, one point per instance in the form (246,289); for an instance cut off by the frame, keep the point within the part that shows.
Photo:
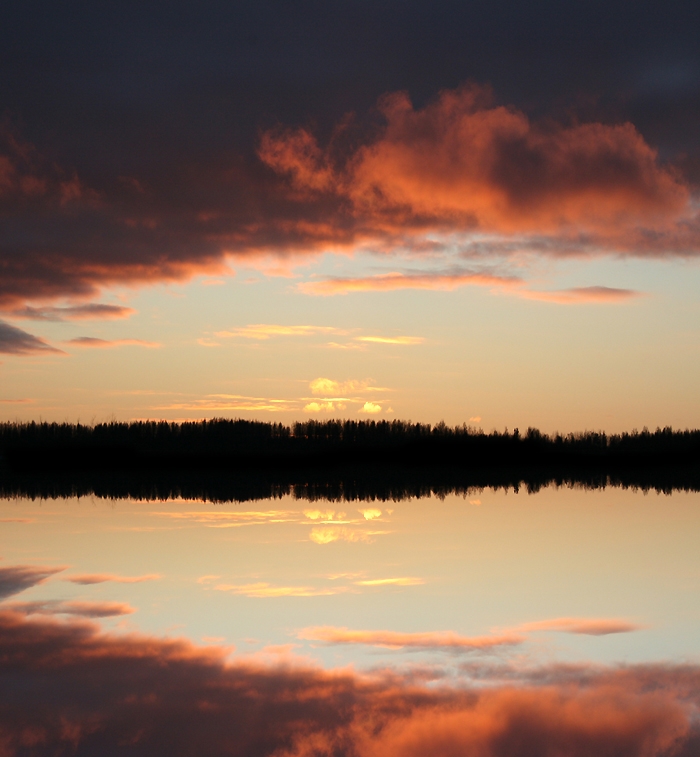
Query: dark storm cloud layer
(132,146)
(67,688)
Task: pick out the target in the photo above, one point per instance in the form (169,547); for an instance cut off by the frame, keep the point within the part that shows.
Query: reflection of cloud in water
(329,534)
(84,691)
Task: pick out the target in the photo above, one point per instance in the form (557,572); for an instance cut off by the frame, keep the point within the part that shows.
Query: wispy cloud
(264,590)
(14,341)
(230,519)
(76,608)
(400,581)
(397,640)
(582,295)
(91,341)
(388,282)
(94,311)
(391,339)
(582,626)
(264,331)
(87,579)
(17,578)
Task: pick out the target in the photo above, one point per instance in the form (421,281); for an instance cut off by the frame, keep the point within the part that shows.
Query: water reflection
(547,592)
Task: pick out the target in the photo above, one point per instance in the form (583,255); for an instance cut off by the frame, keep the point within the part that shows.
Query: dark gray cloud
(17,578)
(14,341)
(129,150)
(93,311)
(76,608)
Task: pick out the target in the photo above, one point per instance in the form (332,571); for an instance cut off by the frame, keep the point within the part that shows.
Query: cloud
(330,534)
(75,608)
(324,407)
(90,312)
(216,402)
(461,165)
(223,518)
(328,387)
(401,581)
(582,295)
(391,339)
(264,331)
(584,626)
(397,640)
(17,578)
(370,408)
(389,282)
(94,342)
(463,162)
(14,341)
(84,691)
(87,579)
(266,590)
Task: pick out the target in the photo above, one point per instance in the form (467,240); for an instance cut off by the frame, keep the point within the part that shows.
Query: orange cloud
(397,640)
(462,162)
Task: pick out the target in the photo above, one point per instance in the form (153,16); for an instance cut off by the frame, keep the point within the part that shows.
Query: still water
(562,576)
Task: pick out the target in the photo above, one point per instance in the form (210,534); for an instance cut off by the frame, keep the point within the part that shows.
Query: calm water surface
(563,575)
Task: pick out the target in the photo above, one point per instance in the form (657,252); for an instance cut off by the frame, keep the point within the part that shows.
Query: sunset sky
(478,212)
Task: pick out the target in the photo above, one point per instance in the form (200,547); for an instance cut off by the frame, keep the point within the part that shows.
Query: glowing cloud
(388,282)
(391,339)
(263,331)
(266,590)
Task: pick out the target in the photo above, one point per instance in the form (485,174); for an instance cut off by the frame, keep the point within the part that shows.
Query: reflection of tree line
(225,460)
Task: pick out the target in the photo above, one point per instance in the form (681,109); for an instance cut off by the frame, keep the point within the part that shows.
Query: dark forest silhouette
(238,460)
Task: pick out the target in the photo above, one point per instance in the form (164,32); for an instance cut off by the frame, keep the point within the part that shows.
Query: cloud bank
(461,165)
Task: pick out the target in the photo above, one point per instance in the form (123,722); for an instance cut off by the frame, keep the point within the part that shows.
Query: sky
(481,212)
